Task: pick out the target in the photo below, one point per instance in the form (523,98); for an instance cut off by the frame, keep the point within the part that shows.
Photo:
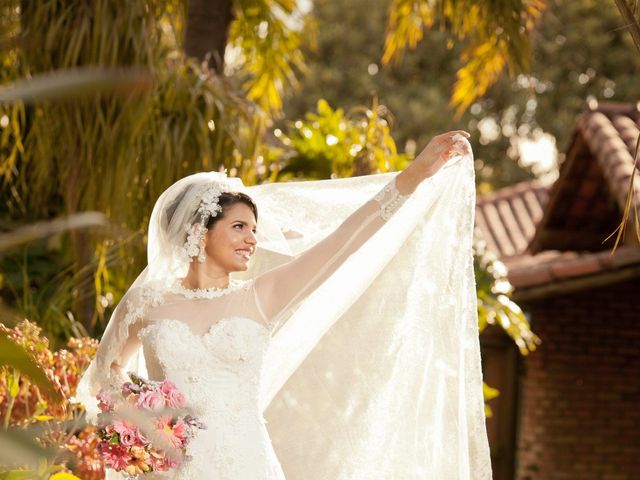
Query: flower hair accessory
(209,206)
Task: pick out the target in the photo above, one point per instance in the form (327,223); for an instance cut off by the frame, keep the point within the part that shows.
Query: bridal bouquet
(160,405)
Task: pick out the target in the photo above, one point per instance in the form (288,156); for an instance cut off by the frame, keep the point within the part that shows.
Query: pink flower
(174,435)
(176,400)
(151,400)
(161,462)
(167,386)
(115,456)
(124,448)
(173,396)
(105,402)
(180,432)
(127,432)
(140,439)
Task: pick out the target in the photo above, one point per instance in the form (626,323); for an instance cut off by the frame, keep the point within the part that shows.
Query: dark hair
(229,199)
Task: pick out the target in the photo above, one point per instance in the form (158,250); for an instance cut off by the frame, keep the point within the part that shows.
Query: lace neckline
(233,286)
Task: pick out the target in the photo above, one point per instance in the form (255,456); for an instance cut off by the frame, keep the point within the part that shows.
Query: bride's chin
(241,267)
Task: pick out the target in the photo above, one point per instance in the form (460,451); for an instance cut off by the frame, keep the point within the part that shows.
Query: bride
(342,310)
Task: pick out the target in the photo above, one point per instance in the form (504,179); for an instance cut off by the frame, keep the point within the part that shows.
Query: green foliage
(494,304)
(102,151)
(495,307)
(331,143)
(42,433)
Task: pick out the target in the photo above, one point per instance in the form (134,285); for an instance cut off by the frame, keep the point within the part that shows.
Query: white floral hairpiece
(209,206)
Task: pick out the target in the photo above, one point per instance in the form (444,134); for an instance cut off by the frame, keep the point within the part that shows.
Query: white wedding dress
(354,334)
(217,363)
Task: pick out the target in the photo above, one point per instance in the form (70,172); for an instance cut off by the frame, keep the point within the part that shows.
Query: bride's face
(232,240)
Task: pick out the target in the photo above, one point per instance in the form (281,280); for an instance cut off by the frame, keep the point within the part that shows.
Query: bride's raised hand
(440,149)
(437,152)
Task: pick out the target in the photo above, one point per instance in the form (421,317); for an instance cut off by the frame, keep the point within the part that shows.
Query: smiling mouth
(246,254)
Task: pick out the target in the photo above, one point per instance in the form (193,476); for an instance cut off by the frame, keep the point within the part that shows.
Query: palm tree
(207,30)
(114,153)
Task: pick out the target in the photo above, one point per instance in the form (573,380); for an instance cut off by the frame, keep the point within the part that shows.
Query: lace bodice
(219,372)
(215,369)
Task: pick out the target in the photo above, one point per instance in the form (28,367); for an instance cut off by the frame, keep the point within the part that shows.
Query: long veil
(376,374)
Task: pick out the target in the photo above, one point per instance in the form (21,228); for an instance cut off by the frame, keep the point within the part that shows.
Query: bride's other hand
(440,149)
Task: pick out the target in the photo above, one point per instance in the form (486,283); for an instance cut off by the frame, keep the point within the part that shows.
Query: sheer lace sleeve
(118,344)
(278,291)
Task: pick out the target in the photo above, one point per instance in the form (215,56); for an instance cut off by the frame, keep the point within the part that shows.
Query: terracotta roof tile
(530,277)
(583,265)
(507,217)
(553,266)
(594,180)
(624,257)
(628,130)
(579,208)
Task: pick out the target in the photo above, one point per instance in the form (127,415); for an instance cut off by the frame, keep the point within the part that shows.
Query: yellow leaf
(63,476)
(489,392)
(484,63)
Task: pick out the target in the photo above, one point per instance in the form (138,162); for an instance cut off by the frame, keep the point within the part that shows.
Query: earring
(194,246)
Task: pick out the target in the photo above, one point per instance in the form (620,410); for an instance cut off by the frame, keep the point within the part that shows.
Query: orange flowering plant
(59,424)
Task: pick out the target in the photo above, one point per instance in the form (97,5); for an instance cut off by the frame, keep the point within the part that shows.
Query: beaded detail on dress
(389,199)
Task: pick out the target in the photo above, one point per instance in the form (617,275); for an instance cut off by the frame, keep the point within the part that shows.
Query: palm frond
(270,44)
(495,33)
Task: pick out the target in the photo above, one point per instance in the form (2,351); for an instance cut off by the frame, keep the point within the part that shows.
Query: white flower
(209,207)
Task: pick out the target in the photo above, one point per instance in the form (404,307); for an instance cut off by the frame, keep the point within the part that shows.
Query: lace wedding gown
(216,361)
(355,335)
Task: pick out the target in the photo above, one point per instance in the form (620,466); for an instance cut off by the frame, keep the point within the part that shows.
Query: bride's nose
(251,238)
